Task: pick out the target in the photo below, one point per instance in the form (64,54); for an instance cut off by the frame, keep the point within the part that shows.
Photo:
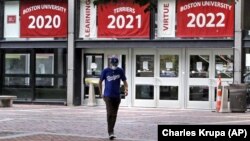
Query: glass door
(93,66)
(169,78)
(204,68)
(223,66)
(145,80)
(199,87)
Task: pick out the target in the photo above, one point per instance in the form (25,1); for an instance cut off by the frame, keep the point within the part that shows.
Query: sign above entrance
(201,18)
(123,19)
(44,18)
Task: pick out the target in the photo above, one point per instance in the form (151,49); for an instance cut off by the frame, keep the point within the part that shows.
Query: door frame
(225,81)
(145,80)
(170,81)
(158,81)
(211,81)
(198,81)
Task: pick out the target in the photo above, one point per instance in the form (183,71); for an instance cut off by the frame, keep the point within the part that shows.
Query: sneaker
(112,136)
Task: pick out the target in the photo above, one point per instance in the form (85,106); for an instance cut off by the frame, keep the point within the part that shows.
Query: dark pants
(112,106)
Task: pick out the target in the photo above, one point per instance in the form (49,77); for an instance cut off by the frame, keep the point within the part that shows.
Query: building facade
(172,51)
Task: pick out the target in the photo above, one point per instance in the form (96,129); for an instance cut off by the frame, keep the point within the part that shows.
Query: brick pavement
(49,137)
(82,123)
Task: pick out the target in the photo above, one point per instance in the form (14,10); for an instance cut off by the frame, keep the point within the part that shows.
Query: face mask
(113,67)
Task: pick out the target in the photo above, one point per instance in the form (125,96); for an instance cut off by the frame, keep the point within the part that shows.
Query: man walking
(112,76)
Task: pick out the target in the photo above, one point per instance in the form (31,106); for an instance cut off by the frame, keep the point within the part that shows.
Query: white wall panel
(11,29)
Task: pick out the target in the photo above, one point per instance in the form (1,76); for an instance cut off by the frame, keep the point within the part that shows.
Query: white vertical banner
(11,20)
(166,18)
(87,19)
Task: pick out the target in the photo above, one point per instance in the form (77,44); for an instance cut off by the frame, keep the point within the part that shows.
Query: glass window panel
(199,66)
(93,68)
(169,65)
(168,92)
(224,66)
(44,63)
(16,81)
(144,92)
(61,82)
(144,65)
(99,63)
(246,75)
(198,93)
(51,93)
(42,81)
(88,63)
(47,89)
(94,65)
(17,63)
(247,78)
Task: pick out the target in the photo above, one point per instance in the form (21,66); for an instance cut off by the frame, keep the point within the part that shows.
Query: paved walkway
(82,123)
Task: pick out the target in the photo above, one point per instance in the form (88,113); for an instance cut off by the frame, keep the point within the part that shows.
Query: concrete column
(238,41)
(70,58)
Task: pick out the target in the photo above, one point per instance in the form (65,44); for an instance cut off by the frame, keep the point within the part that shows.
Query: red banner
(205,18)
(124,19)
(43,18)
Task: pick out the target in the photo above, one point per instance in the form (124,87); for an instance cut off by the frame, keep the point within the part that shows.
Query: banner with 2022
(203,18)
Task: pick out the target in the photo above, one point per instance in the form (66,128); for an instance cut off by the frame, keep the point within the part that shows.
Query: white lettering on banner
(206,20)
(217,4)
(46,22)
(205,3)
(165,16)
(190,5)
(121,22)
(44,6)
(32,8)
(124,9)
(87,18)
(54,7)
